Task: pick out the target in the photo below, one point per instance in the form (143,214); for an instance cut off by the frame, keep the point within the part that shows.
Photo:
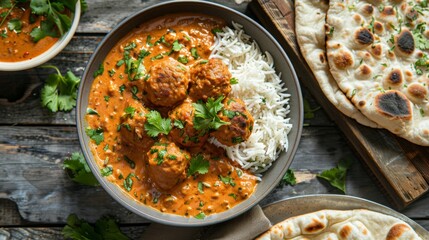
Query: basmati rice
(264,94)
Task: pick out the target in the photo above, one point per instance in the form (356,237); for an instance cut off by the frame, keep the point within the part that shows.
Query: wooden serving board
(400,167)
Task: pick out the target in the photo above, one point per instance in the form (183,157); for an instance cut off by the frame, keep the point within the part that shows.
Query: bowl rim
(119,195)
(49,53)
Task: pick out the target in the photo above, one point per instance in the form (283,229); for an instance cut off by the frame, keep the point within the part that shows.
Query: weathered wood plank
(31,174)
(42,233)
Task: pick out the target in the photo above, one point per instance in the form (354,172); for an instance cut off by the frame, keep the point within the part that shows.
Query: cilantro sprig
(78,170)
(198,165)
(289,178)
(104,228)
(59,92)
(206,117)
(337,176)
(156,124)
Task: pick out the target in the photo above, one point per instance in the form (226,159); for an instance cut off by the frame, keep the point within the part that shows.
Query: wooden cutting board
(400,167)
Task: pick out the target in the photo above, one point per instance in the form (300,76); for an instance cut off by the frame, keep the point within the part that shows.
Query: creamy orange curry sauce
(17,45)
(164,161)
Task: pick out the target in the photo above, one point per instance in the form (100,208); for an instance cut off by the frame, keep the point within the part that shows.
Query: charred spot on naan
(378,27)
(416,92)
(396,231)
(314,226)
(388,11)
(343,59)
(405,42)
(367,9)
(363,72)
(363,37)
(376,50)
(322,58)
(394,79)
(393,104)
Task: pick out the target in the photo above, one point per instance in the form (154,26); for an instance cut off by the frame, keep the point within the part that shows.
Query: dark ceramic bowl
(267,43)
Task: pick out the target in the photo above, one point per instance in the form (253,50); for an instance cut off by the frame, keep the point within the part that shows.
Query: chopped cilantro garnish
(99,71)
(233,81)
(122,88)
(227,180)
(148,40)
(200,215)
(194,53)
(91,111)
(216,30)
(233,195)
(179,124)
(107,171)
(15,25)
(183,59)
(78,170)
(237,139)
(160,158)
(128,182)
(130,162)
(200,187)
(156,124)
(95,134)
(198,165)
(59,92)
(106,98)
(129,112)
(177,46)
(159,56)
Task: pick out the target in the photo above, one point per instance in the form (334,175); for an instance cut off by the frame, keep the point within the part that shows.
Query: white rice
(265,97)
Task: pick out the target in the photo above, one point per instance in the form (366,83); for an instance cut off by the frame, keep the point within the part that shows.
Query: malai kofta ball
(167,164)
(240,123)
(209,79)
(183,131)
(168,83)
(131,128)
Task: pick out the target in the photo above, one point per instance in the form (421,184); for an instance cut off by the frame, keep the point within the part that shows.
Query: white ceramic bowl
(48,54)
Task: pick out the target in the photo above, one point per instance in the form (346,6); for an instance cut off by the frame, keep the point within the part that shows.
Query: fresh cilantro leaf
(227,180)
(422,63)
(156,124)
(15,25)
(229,114)
(148,40)
(59,92)
(198,165)
(95,134)
(233,195)
(288,178)
(216,30)
(107,171)
(177,46)
(159,56)
(179,124)
(194,53)
(99,71)
(206,117)
(421,41)
(79,171)
(237,139)
(128,182)
(337,176)
(233,81)
(200,215)
(45,29)
(105,228)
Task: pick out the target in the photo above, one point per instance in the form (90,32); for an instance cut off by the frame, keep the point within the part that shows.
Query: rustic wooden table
(35,194)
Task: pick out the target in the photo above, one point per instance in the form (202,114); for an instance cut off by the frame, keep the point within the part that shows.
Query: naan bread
(338,225)
(310,32)
(378,54)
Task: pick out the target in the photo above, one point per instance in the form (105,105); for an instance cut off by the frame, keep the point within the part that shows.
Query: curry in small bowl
(169,124)
(32,31)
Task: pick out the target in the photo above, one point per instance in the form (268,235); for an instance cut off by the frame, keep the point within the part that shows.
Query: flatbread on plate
(310,32)
(378,54)
(336,224)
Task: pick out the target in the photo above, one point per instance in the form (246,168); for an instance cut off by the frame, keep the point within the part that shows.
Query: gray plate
(266,42)
(281,210)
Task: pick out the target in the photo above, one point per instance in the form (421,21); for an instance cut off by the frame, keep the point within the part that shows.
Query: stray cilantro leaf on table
(337,176)
(79,171)
(288,178)
(206,117)
(105,228)
(308,111)
(59,92)
(156,124)
(198,165)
